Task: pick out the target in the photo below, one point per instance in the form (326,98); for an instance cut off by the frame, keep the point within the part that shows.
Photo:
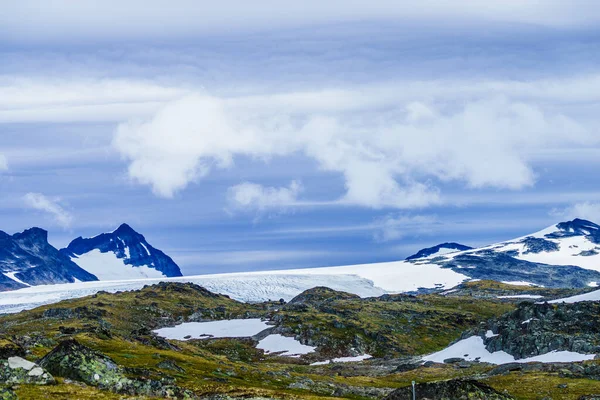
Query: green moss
(537,385)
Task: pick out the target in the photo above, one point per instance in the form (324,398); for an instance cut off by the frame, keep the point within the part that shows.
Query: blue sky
(262,136)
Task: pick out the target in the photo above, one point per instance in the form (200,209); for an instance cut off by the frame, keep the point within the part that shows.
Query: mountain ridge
(27,259)
(128,246)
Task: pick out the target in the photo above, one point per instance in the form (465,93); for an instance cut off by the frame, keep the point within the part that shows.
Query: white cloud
(387,158)
(63,20)
(40,202)
(3,163)
(584,210)
(252,196)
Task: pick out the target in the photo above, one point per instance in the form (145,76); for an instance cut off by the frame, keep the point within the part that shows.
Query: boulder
(17,370)
(72,360)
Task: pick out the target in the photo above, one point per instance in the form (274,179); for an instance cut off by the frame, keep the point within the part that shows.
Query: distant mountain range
(27,259)
(564,255)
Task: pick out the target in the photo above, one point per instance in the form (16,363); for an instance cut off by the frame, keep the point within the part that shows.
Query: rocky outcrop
(27,258)
(17,370)
(449,390)
(317,297)
(533,329)
(72,360)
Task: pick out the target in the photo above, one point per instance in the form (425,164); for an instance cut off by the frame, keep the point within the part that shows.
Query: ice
(366,280)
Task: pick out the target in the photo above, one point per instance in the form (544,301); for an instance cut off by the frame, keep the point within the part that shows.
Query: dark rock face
(489,264)
(128,245)
(538,245)
(577,227)
(449,390)
(535,329)
(10,349)
(32,260)
(432,250)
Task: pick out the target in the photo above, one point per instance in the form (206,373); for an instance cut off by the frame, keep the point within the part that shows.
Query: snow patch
(233,328)
(473,348)
(344,359)
(591,296)
(521,296)
(290,346)
(145,248)
(11,275)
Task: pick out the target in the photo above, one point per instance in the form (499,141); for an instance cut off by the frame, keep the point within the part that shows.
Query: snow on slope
(107,267)
(473,348)
(12,276)
(591,296)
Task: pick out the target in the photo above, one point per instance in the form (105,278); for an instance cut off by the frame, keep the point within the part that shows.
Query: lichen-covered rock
(17,370)
(449,390)
(75,361)
(72,360)
(7,394)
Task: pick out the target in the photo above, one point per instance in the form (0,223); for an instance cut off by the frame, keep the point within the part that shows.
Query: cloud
(3,163)
(393,155)
(252,196)
(393,226)
(40,202)
(71,100)
(584,210)
(62,20)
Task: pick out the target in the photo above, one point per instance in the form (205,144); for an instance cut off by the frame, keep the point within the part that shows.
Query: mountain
(27,259)
(122,254)
(563,255)
(444,248)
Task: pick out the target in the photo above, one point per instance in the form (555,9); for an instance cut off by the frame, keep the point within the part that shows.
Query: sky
(271,134)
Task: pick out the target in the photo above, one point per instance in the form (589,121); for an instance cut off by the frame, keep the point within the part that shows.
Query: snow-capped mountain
(563,255)
(444,248)
(27,259)
(121,254)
